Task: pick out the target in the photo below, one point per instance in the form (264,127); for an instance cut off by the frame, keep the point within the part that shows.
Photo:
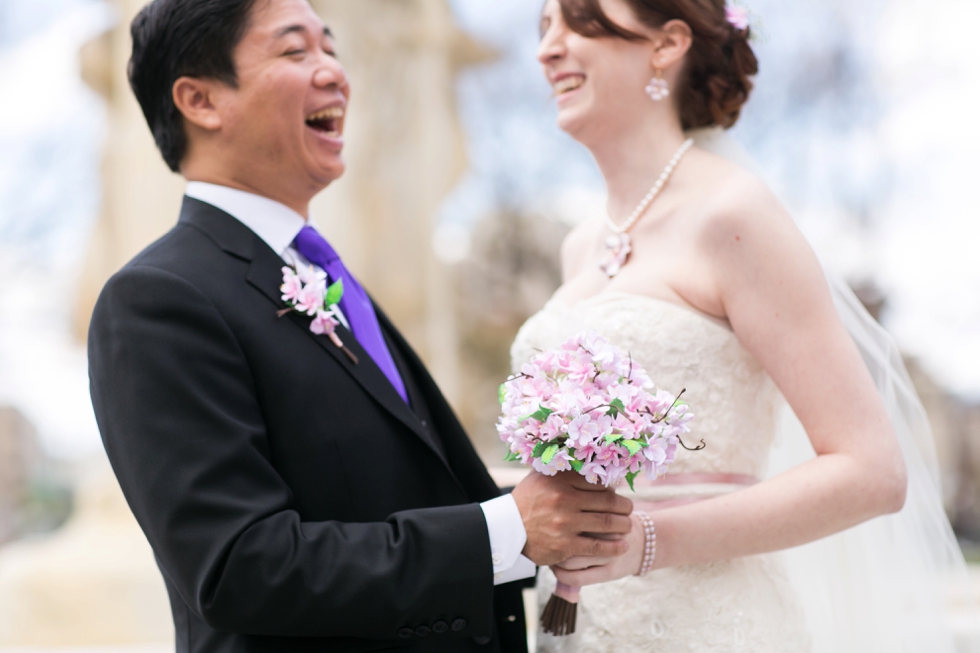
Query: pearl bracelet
(650,542)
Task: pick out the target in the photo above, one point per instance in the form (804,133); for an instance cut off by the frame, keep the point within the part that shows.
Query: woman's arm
(776,298)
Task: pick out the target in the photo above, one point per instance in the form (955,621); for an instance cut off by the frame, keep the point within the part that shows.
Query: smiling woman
(715,82)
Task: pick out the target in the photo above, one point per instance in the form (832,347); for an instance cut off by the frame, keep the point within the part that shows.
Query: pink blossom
(560,463)
(594,472)
(291,285)
(552,427)
(310,298)
(737,16)
(310,274)
(323,323)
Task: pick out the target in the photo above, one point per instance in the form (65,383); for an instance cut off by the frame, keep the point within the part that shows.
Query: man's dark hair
(178,38)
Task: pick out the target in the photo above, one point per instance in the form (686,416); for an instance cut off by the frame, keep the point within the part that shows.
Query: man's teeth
(568,84)
(327,114)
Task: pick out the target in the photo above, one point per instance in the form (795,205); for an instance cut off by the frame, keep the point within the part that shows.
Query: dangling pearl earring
(658,89)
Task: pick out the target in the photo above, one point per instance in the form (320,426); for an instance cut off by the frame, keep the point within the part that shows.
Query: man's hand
(566,516)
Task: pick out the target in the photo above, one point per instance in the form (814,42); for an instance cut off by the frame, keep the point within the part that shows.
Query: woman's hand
(581,570)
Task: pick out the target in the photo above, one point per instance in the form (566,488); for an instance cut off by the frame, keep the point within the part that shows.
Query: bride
(706,280)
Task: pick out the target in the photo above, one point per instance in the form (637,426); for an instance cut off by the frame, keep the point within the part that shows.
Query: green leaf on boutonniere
(511,457)
(502,393)
(577,465)
(549,453)
(614,437)
(335,293)
(633,446)
(539,449)
(629,479)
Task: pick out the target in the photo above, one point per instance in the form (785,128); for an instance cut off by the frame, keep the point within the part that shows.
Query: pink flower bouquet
(589,407)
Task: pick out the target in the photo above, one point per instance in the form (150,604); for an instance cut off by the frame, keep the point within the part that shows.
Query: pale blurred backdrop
(459,191)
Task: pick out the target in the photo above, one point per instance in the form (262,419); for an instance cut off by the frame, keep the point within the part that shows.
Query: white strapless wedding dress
(742,605)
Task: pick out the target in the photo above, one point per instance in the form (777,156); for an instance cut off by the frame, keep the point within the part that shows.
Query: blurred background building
(459,191)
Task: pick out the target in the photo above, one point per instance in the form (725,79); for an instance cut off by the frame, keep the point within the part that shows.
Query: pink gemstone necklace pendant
(620,245)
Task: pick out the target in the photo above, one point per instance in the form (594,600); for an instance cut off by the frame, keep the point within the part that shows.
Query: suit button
(458,625)
(482,641)
(440,627)
(422,631)
(424,423)
(405,633)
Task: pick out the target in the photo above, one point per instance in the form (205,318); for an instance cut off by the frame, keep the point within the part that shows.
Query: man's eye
(293,53)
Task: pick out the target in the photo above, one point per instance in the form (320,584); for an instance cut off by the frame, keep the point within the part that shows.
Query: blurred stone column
(18,458)
(140,196)
(405,153)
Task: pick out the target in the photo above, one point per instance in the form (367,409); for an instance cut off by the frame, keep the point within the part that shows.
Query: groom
(298,496)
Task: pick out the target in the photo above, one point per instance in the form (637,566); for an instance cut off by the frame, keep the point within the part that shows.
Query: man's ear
(194,99)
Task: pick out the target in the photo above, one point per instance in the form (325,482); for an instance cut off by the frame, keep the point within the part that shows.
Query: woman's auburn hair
(715,82)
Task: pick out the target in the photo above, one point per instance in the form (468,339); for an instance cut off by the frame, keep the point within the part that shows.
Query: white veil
(885,585)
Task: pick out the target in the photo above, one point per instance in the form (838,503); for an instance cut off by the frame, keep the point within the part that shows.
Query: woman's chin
(572,122)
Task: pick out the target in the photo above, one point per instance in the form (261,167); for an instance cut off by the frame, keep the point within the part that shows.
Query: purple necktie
(355,303)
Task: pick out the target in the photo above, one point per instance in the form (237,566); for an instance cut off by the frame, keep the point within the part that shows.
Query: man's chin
(326,174)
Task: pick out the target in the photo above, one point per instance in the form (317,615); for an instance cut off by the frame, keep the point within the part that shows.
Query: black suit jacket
(293,500)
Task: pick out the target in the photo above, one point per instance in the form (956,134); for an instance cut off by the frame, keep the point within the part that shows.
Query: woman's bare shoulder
(738,202)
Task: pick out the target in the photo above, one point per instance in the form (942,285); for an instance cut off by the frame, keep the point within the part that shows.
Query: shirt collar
(275,223)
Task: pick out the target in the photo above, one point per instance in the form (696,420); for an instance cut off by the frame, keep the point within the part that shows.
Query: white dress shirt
(278,225)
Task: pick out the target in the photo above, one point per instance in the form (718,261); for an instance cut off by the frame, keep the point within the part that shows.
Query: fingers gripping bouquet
(588,407)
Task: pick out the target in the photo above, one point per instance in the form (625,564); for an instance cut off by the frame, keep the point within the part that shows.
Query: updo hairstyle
(715,82)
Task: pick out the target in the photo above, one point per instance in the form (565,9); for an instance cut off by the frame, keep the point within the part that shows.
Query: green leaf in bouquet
(539,449)
(633,446)
(614,437)
(511,457)
(502,393)
(542,414)
(577,465)
(335,293)
(549,453)
(616,406)
(630,477)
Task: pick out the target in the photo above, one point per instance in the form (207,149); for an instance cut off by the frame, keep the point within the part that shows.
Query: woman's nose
(551,48)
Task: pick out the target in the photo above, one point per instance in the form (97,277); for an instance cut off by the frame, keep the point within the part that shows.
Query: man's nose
(330,73)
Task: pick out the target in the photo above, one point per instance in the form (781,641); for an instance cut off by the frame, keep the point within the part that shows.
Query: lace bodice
(734,606)
(734,401)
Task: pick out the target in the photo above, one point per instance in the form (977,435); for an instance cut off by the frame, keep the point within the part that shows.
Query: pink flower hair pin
(737,16)
(304,290)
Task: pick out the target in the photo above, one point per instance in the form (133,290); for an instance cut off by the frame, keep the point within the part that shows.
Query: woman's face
(598,82)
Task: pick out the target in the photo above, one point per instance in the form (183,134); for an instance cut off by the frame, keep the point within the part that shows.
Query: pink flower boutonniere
(305,290)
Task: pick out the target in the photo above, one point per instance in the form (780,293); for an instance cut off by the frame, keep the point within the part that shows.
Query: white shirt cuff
(507,540)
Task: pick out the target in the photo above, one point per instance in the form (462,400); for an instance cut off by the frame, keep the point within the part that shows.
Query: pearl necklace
(619,246)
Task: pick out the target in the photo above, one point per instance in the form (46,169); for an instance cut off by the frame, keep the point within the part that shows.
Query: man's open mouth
(327,122)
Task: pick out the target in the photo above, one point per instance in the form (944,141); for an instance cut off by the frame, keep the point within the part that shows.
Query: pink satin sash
(698,479)
(651,505)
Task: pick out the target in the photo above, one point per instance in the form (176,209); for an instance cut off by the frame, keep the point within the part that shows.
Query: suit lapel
(265,274)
